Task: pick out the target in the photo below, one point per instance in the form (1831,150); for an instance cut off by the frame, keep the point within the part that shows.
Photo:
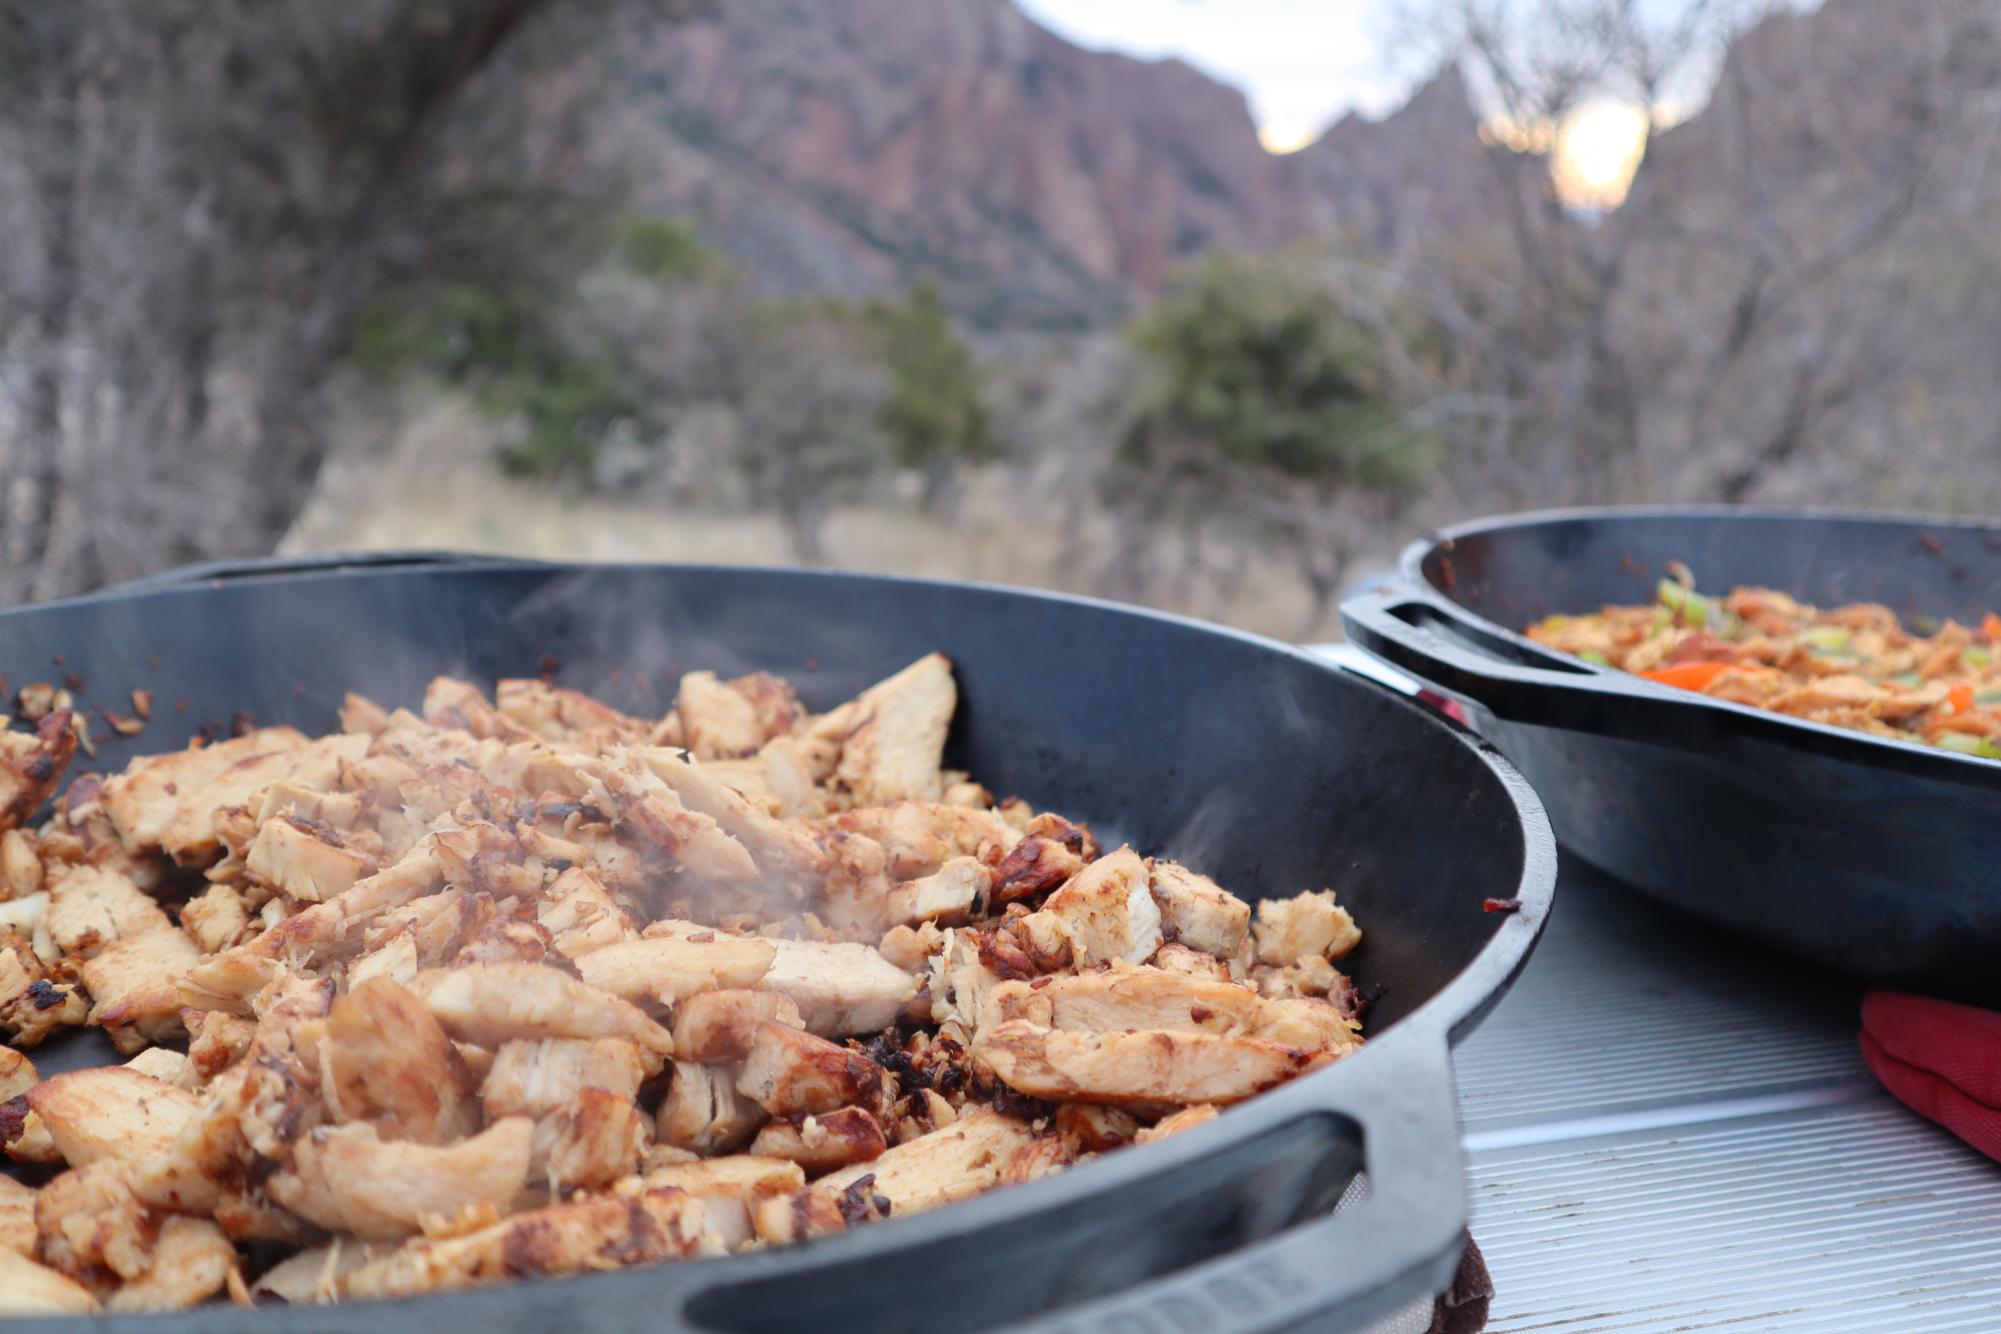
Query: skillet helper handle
(1396,1247)
(1430,638)
(206,572)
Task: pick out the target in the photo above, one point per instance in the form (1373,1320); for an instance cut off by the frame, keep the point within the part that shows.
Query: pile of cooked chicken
(1856,666)
(523,985)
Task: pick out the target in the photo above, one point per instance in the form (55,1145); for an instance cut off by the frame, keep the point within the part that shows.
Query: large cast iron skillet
(1876,856)
(1246,758)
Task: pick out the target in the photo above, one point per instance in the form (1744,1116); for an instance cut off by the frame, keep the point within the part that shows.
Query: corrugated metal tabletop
(1668,1129)
(1671,1131)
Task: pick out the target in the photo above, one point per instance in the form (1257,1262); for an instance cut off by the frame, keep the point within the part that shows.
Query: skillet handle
(1512,677)
(1395,1246)
(1109,1258)
(187,576)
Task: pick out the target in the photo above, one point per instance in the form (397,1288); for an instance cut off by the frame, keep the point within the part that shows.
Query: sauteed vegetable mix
(521,985)
(1855,666)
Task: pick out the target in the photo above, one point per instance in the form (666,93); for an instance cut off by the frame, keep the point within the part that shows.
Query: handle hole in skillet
(1123,1237)
(1423,617)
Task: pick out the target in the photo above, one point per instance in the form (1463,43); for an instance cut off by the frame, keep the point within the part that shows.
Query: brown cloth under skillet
(1462,1308)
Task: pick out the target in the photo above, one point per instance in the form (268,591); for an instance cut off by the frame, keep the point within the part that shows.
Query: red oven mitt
(1941,1060)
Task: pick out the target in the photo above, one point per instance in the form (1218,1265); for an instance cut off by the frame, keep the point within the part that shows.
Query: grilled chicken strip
(90,907)
(111,1112)
(17,1217)
(704,1112)
(536,1076)
(823,1142)
(305,859)
(789,1072)
(595,1140)
(895,742)
(489,1003)
(1152,1066)
(31,764)
(348,1179)
(949,895)
(27,1288)
(135,984)
(840,988)
(921,836)
(1309,925)
(32,1004)
(1108,912)
(386,1060)
(663,970)
(717,1027)
(601,1232)
(170,801)
(728,1188)
(1196,911)
(952,1164)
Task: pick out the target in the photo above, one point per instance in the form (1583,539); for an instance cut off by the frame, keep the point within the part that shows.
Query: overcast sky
(1302,63)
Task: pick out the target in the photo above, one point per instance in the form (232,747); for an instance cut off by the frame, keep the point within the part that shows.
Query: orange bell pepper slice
(1689,675)
(1960,697)
(1990,627)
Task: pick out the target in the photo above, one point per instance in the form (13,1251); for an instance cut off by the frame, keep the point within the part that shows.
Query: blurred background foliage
(936,290)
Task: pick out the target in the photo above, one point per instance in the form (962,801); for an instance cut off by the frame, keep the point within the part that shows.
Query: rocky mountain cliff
(844,145)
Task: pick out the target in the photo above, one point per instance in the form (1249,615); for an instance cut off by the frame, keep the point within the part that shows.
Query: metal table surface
(1669,1129)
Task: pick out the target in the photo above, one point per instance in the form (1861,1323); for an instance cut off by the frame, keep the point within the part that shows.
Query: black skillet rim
(1909,757)
(1427,1033)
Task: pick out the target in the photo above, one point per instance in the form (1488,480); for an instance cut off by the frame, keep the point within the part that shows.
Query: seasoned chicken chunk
(192,1260)
(1141,1067)
(386,1060)
(91,906)
(591,1143)
(21,870)
(1304,926)
(1108,912)
(650,812)
(663,970)
(1032,868)
(170,801)
(17,1217)
(600,1232)
(823,1142)
(216,920)
(27,1288)
(952,1164)
(717,722)
(840,987)
(922,836)
(305,859)
(789,1071)
(895,742)
(728,1187)
(1186,1119)
(491,1002)
(133,984)
(704,1112)
(717,1027)
(31,764)
(950,895)
(111,1112)
(1196,911)
(349,1179)
(580,916)
(32,1004)
(566,716)
(536,1076)
(788,859)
